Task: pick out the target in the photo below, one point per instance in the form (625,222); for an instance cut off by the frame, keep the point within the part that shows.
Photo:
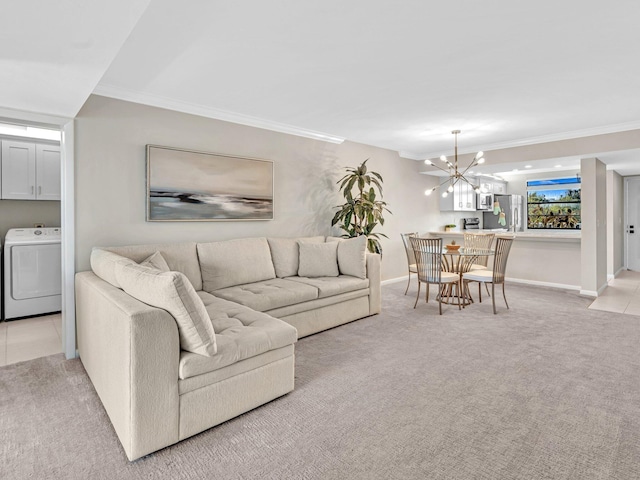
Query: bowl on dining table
(452,248)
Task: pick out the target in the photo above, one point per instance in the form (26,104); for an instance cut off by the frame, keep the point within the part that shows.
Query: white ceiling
(54,53)
(398,75)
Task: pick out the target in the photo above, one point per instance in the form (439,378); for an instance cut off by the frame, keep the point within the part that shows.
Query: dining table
(461,260)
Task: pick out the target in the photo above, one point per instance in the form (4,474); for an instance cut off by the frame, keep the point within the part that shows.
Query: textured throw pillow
(172,292)
(156,260)
(318,259)
(352,255)
(103,264)
(285,254)
(234,262)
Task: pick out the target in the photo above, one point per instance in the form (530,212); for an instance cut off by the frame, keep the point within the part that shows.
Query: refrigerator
(508,212)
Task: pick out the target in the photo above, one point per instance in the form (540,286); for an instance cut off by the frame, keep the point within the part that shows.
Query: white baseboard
(594,293)
(395,280)
(589,293)
(536,283)
(611,277)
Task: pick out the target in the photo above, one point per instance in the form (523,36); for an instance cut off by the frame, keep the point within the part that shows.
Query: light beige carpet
(546,390)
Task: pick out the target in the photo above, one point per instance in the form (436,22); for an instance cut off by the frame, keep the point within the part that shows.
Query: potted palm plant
(361,213)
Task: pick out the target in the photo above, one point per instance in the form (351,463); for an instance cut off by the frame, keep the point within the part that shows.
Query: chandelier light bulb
(477,189)
(479,154)
(428,192)
(428,162)
(480,161)
(443,158)
(450,189)
(445,194)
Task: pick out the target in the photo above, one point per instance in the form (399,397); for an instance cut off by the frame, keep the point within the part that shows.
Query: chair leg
(505,297)
(428,288)
(493,297)
(440,301)
(487,287)
(460,292)
(408,283)
(480,292)
(418,296)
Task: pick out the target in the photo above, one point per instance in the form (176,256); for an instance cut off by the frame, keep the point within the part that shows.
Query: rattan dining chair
(495,276)
(479,241)
(428,254)
(411,257)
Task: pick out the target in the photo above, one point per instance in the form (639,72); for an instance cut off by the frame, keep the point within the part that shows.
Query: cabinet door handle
(39,189)
(31,189)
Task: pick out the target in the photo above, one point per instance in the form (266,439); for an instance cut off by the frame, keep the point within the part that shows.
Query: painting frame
(184,185)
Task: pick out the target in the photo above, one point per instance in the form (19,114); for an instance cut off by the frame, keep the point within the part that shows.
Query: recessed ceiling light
(557,166)
(527,166)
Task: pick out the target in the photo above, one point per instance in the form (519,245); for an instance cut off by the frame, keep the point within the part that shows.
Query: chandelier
(455,174)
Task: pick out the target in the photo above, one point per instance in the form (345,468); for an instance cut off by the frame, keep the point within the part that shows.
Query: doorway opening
(31,241)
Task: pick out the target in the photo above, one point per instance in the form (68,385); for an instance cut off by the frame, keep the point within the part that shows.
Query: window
(554,203)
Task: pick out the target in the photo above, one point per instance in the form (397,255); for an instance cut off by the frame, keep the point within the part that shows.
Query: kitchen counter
(531,235)
(538,257)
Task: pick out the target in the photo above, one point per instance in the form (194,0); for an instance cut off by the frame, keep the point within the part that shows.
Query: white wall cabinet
(493,187)
(500,188)
(30,171)
(462,199)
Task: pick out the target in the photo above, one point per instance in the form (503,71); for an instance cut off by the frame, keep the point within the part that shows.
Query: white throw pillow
(156,260)
(172,292)
(352,255)
(103,264)
(318,259)
(234,262)
(285,254)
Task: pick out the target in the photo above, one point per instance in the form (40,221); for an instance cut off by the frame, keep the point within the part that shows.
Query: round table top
(467,252)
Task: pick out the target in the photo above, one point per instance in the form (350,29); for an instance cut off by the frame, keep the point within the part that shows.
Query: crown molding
(208,112)
(554,137)
(412,155)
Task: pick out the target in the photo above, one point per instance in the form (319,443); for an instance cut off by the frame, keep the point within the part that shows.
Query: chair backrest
(411,258)
(479,241)
(503,247)
(428,253)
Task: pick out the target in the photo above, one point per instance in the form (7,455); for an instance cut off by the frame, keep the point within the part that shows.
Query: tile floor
(621,296)
(30,338)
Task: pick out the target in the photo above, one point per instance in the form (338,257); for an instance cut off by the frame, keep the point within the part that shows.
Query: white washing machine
(32,272)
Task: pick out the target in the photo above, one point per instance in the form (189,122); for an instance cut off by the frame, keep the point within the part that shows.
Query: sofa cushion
(329,286)
(285,253)
(268,294)
(318,260)
(241,333)
(172,292)
(103,264)
(352,255)
(234,262)
(157,261)
(180,257)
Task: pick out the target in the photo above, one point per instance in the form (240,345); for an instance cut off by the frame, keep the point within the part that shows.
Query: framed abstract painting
(191,186)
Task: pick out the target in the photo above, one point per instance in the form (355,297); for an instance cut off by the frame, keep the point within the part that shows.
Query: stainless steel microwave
(484,201)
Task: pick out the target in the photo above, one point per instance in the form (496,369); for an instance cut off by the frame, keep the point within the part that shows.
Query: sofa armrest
(373,274)
(131,352)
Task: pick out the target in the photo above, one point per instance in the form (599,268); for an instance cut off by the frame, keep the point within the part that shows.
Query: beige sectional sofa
(177,338)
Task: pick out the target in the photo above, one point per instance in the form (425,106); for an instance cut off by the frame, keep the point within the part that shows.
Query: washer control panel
(26,234)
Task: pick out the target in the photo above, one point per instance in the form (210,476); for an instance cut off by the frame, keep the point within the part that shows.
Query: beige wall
(26,213)
(594,226)
(575,147)
(110,180)
(615,222)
